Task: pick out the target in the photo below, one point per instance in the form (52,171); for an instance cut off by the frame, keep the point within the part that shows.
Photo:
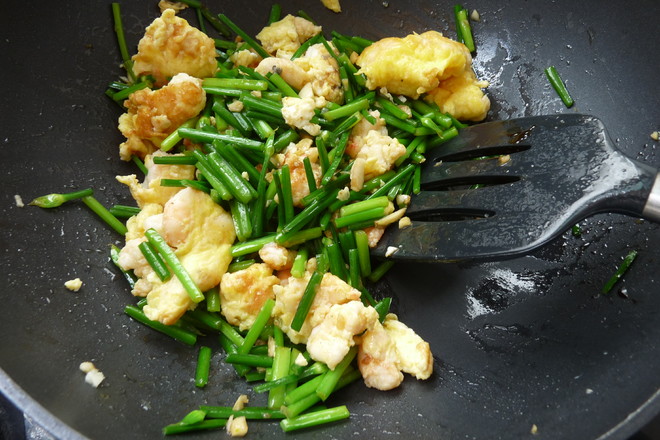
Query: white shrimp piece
(375,146)
(330,341)
(389,348)
(284,37)
(332,290)
(374,234)
(151,191)
(323,71)
(414,354)
(298,112)
(243,293)
(202,233)
(152,115)
(149,215)
(171,46)
(291,73)
(377,359)
(277,257)
(294,156)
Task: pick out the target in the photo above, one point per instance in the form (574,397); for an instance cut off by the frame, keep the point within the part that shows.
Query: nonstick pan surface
(524,348)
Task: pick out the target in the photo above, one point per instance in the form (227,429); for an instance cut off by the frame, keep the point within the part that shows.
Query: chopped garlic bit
(237,426)
(19,201)
(504,159)
(403,200)
(235,106)
(390,218)
(474,16)
(343,194)
(245,175)
(301,360)
(240,402)
(404,222)
(534,430)
(391,250)
(93,376)
(73,285)
(655,135)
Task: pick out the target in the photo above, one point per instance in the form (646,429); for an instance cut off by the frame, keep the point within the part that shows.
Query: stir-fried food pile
(271,167)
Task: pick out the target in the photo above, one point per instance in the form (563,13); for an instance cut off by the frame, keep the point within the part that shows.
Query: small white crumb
(256,93)
(474,16)
(391,250)
(589,391)
(504,159)
(73,285)
(245,175)
(301,360)
(19,201)
(93,375)
(655,135)
(240,402)
(343,194)
(237,426)
(534,430)
(86,367)
(235,106)
(404,222)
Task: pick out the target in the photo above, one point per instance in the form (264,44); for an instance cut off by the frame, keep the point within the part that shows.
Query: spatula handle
(652,207)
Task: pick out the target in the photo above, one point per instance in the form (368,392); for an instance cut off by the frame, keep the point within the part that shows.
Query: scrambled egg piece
(422,63)
(171,46)
(151,191)
(330,341)
(294,155)
(154,114)
(332,290)
(298,112)
(372,144)
(323,71)
(333,5)
(201,233)
(277,257)
(243,293)
(284,37)
(388,349)
(73,285)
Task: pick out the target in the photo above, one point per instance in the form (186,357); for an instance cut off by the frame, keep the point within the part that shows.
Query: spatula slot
(480,152)
(450,214)
(467,182)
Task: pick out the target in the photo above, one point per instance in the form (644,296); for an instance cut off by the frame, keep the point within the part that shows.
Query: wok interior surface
(518,344)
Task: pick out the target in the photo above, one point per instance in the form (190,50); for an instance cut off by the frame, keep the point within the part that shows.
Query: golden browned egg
(285,36)
(170,46)
(153,114)
(427,63)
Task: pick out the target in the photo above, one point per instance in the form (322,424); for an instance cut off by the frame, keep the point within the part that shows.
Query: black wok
(520,343)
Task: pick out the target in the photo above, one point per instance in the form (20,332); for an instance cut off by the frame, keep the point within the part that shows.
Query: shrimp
(151,191)
(294,156)
(171,46)
(201,233)
(154,114)
(243,293)
(330,341)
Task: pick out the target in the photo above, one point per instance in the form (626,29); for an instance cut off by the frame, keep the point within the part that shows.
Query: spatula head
(504,188)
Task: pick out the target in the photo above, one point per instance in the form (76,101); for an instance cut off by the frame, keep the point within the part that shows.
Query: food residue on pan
(73,285)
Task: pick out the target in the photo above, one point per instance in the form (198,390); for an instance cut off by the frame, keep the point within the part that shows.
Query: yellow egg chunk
(170,46)
(427,63)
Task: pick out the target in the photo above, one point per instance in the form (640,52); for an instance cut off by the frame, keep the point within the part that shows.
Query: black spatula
(504,188)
